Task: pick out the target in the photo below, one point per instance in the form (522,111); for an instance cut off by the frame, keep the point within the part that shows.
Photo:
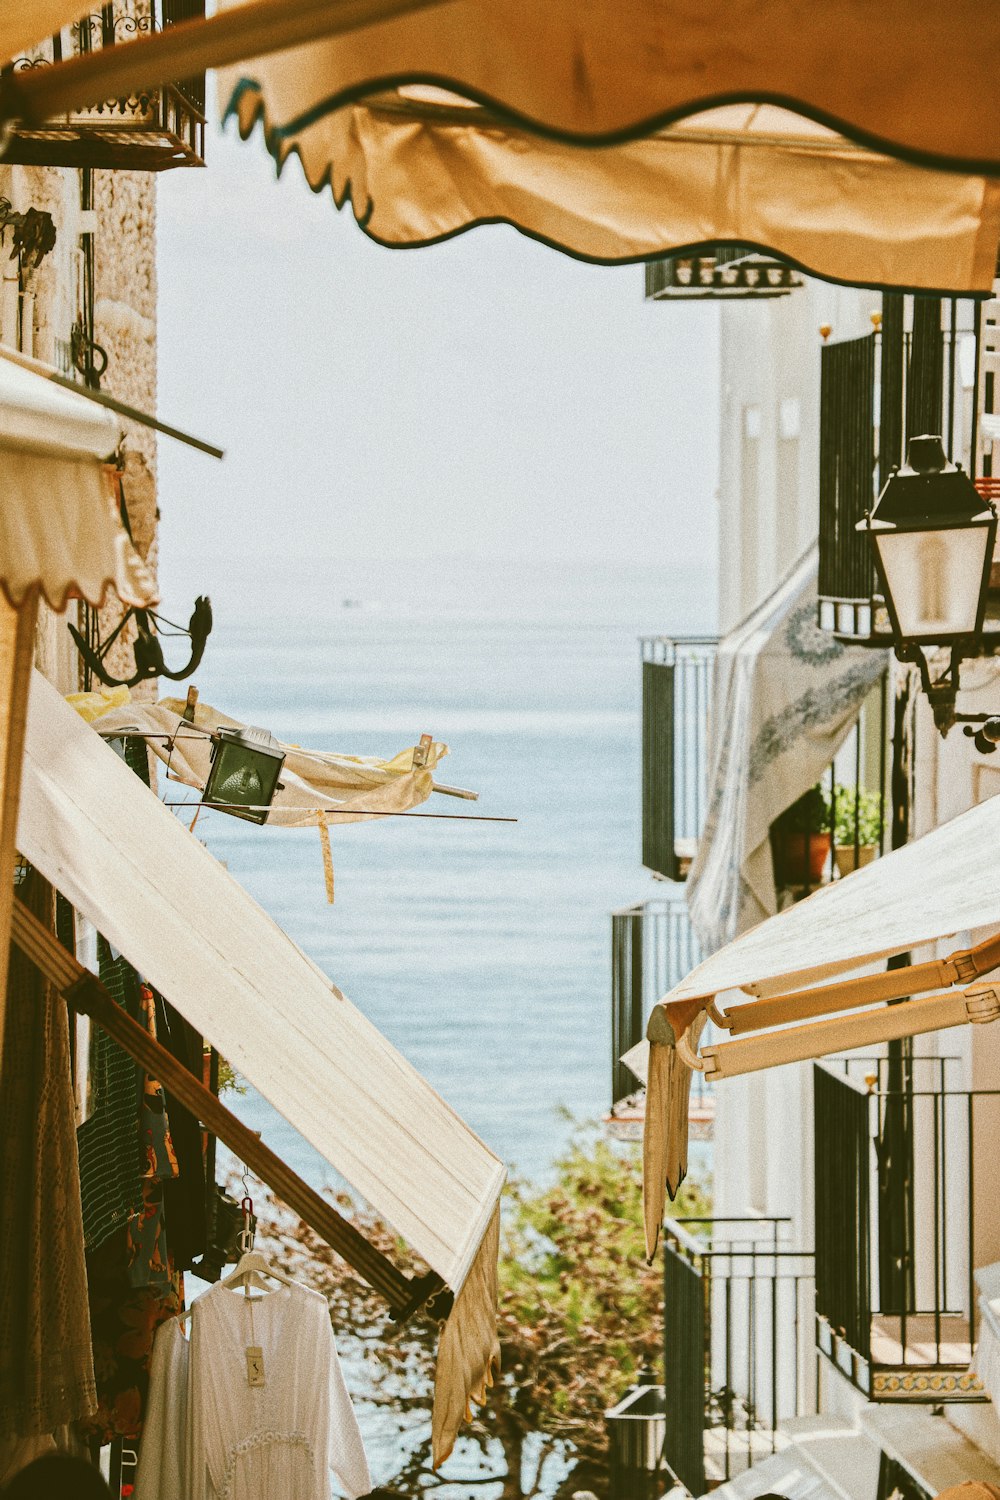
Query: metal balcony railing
(148,131)
(653,946)
(677,674)
(905,1174)
(722,272)
(738,1345)
(918,372)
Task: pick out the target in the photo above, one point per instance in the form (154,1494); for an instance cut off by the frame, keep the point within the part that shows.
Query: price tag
(255,1365)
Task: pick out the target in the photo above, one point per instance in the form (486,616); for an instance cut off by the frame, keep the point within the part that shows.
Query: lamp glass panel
(242,778)
(934,578)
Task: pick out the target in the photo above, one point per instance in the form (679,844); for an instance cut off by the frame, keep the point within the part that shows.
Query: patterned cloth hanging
(46,1364)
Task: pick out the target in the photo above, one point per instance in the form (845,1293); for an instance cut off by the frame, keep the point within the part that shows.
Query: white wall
(768,516)
(769,433)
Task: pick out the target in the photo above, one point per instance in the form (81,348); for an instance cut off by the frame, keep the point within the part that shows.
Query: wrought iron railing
(677,676)
(738,1344)
(653,946)
(876,393)
(148,130)
(724,271)
(904,1174)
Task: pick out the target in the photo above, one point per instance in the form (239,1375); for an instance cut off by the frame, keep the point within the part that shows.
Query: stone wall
(123,223)
(125,327)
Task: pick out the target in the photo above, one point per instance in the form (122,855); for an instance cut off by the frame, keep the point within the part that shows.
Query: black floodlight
(246,764)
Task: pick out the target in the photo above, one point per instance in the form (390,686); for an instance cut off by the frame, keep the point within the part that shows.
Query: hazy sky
(486,397)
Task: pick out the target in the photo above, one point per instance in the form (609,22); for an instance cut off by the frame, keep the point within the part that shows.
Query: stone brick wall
(125,327)
(123,221)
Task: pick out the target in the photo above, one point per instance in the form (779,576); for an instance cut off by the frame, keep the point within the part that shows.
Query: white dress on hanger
(225,1439)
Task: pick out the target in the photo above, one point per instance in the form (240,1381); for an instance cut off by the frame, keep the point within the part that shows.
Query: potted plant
(800,839)
(857,826)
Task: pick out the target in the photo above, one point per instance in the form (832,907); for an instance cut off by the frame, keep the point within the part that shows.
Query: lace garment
(210,1435)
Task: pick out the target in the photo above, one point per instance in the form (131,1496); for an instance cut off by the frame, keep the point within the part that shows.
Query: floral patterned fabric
(124,1320)
(785,697)
(146,1231)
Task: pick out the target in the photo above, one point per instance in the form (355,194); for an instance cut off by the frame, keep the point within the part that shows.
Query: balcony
(738,1345)
(653,946)
(725,271)
(677,676)
(842,822)
(905,1212)
(146,132)
(928,367)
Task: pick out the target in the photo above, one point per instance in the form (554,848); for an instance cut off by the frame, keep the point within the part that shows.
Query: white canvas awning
(794,965)
(945,883)
(60,537)
(111,847)
(60,532)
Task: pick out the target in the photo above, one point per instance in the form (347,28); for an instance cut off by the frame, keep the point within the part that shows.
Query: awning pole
(184,49)
(101,398)
(86,992)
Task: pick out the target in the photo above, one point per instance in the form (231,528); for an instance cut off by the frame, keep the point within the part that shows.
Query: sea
(480,949)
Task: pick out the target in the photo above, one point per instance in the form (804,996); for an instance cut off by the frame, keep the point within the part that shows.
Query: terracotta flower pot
(845,857)
(791,861)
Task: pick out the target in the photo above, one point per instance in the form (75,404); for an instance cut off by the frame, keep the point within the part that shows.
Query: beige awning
(24,23)
(111,847)
(915,79)
(60,537)
(60,531)
(418,166)
(795,967)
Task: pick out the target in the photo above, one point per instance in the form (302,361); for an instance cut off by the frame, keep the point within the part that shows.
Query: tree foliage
(580,1314)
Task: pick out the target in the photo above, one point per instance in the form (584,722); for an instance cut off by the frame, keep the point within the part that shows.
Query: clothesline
(201,735)
(353,812)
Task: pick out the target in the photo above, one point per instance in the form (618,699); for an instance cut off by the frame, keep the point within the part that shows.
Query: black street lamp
(932,536)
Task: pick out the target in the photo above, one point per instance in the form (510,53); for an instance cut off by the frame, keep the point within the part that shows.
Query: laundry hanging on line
(313,782)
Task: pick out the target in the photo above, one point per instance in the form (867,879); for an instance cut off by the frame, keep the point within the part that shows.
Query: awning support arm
(845,994)
(887,1023)
(86,992)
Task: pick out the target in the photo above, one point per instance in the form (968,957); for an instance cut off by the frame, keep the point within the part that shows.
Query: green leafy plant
(810,813)
(857,813)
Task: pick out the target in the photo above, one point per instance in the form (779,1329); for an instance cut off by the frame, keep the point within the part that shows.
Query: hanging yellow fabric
(324,838)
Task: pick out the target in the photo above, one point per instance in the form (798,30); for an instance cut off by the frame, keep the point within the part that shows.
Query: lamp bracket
(149,660)
(941,692)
